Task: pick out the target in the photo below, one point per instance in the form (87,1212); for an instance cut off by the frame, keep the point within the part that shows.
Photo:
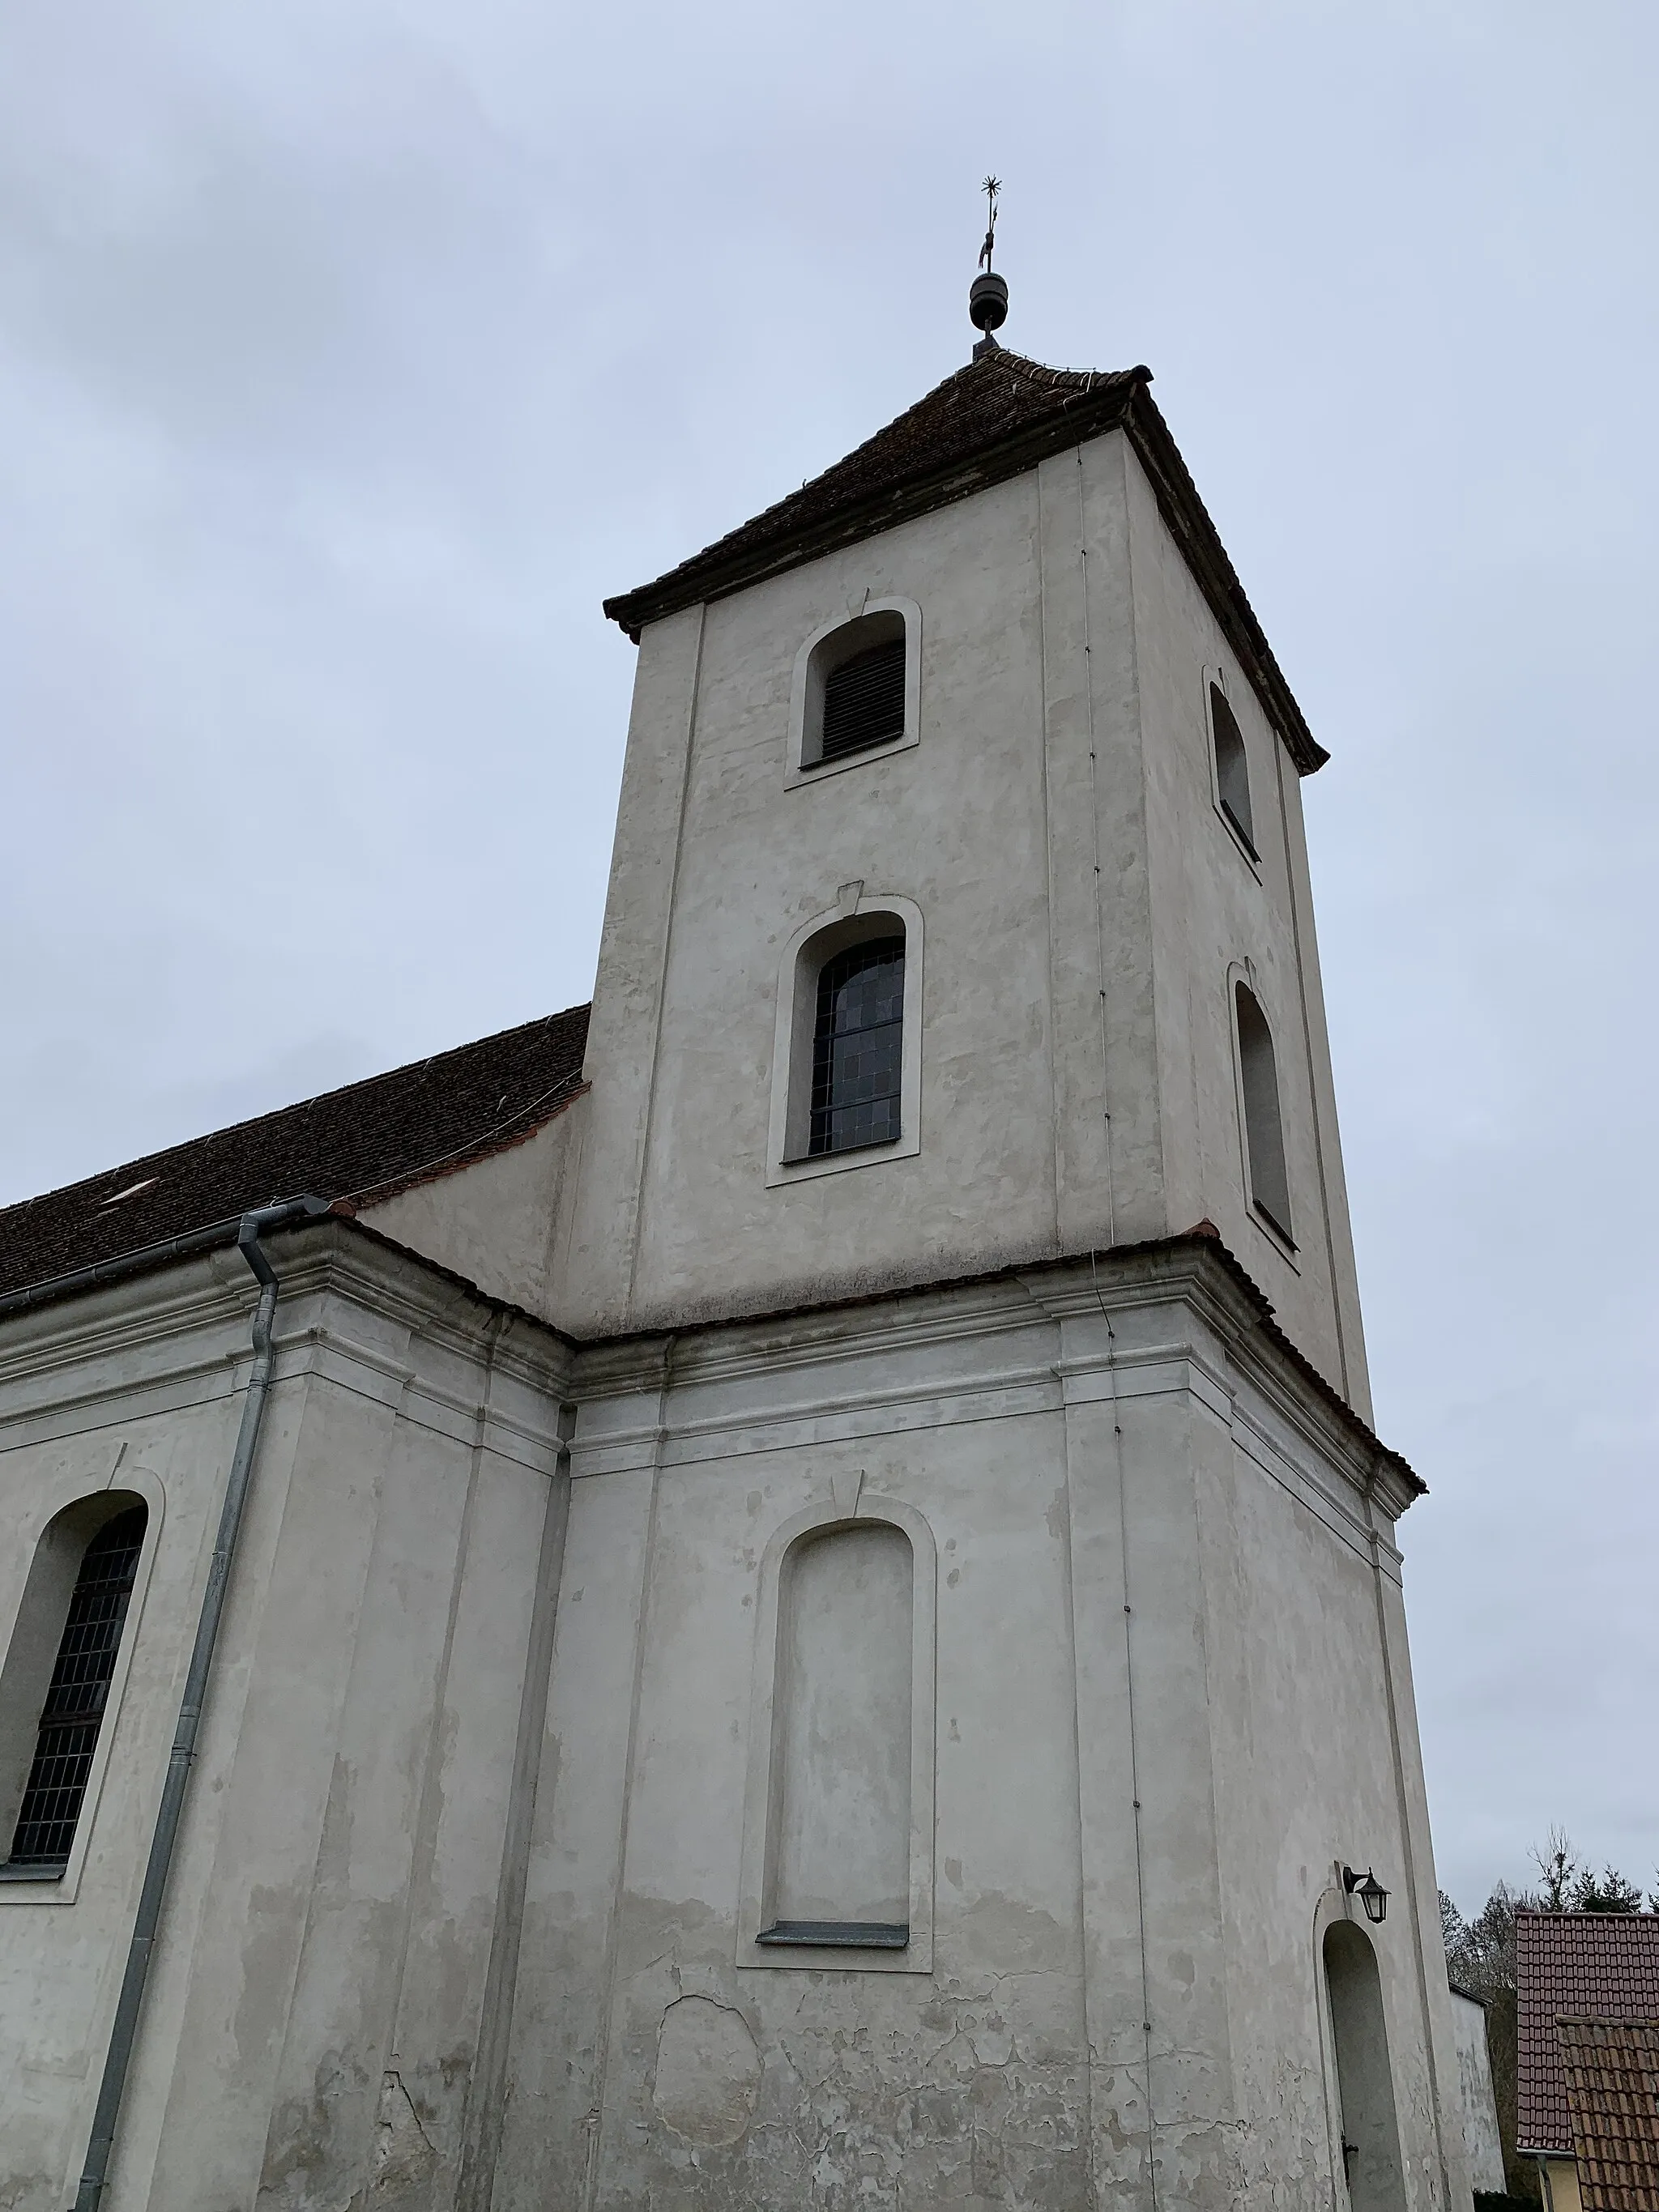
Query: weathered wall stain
(406,2157)
(708,2072)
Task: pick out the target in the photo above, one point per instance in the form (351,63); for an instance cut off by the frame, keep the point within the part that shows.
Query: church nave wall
(315,2008)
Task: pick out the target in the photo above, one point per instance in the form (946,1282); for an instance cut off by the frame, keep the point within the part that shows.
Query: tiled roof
(1610,2069)
(362,1142)
(1598,1965)
(999,416)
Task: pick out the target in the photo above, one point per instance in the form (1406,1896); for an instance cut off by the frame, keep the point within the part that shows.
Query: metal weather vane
(987,295)
(991,188)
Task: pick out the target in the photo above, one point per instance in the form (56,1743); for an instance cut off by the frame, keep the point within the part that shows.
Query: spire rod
(987,295)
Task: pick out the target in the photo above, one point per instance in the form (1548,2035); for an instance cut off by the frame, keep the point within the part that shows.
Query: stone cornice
(1199,1269)
(1196,1269)
(153,1313)
(157,1323)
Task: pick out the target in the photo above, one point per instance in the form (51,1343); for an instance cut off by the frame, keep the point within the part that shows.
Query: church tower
(1076,805)
(981,1690)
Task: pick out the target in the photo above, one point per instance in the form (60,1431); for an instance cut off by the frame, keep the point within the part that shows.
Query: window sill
(804,772)
(803,1165)
(1281,1237)
(839,1935)
(841,1151)
(51,1871)
(1252,859)
(1240,832)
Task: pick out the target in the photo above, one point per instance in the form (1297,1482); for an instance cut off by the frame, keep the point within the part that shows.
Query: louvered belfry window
(1232,770)
(73,1708)
(863,701)
(1264,1129)
(857,1047)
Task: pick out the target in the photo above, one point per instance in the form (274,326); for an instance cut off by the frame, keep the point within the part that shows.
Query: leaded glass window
(857,1047)
(73,1708)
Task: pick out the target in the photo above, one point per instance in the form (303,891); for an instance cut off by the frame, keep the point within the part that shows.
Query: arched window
(1232,767)
(840,1856)
(1264,1132)
(847,1043)
(858,1047)
(68,1716)
(1371,2132)
(859,690)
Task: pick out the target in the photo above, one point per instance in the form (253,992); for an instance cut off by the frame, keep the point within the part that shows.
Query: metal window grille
(863,701)
(73,1708)
(857,1045)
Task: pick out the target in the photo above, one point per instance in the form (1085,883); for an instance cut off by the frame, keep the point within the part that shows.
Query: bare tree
(1560,1866)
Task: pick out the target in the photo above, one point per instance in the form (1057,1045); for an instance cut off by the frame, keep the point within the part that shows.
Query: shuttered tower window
(857,1047)
(1264,1130)
(1232,767)
(863,701)
(73,1708)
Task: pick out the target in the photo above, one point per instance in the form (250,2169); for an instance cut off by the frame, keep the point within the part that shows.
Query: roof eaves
(1190,523)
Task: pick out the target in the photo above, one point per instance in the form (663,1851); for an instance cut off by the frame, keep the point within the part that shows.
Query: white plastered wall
(495,1222)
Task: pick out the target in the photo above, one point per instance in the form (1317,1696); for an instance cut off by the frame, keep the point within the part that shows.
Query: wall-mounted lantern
(1372,1895)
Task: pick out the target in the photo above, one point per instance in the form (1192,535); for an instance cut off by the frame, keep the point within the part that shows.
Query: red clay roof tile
(1610,2068)
(1601,1964)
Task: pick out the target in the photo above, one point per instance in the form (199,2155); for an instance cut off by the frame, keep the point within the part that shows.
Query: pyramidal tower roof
(995,418)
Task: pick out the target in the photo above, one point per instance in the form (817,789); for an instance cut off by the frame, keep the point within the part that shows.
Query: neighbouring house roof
(1610,2068)
(1602,1965)
(997,417)
(348,1146)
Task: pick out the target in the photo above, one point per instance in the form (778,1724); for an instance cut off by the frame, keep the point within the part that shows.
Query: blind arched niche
(838,1815)
(841,1847)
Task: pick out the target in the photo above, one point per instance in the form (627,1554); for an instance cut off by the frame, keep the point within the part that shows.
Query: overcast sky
(351,350)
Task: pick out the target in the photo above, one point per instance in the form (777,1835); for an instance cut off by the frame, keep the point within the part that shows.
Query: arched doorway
(1371,2130)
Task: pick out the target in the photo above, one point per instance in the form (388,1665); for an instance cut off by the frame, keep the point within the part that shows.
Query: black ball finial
(987,302)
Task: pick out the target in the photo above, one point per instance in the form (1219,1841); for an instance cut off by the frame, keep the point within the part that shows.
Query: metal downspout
(130,2004)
